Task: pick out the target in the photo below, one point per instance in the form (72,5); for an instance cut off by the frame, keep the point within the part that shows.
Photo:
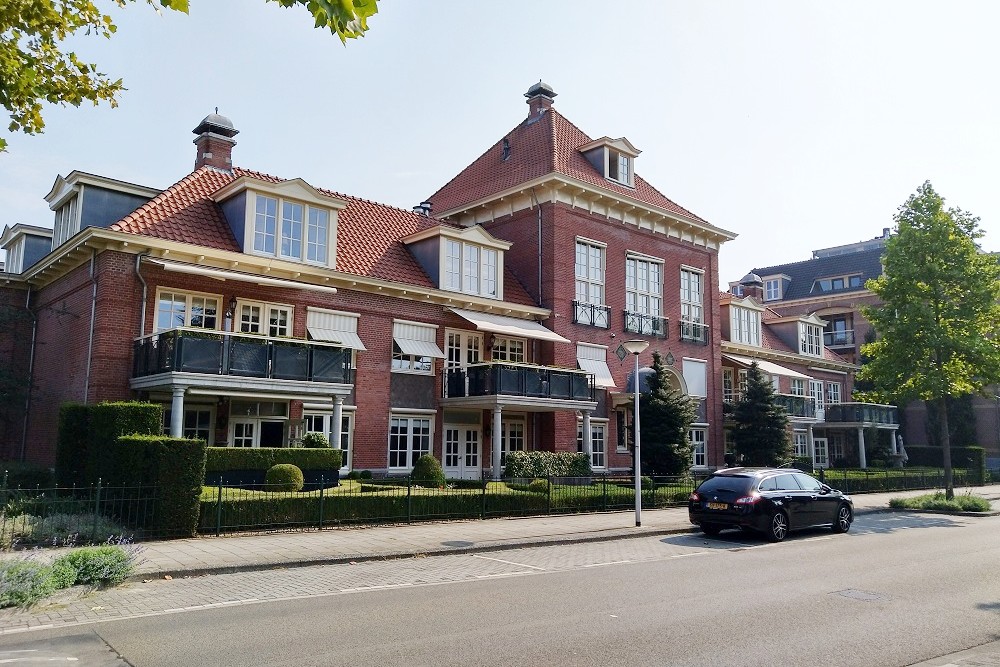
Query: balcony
(646,325)
(842,338)
(232,354)
(693,332)
(861,413)
(496,379)
(797,406)
(591,314)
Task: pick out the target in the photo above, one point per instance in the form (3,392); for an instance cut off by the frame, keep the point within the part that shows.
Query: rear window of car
(734,483)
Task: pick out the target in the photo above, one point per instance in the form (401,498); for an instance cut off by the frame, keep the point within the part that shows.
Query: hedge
(972,458)
(547,464)
(175,467)
(221,459)
(71,445)
(110,420)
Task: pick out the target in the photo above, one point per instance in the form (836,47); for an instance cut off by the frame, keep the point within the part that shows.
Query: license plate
(718,506)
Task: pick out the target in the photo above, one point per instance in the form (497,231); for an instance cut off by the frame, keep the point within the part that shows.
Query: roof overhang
(508,326)
(779,356)
(768,367)
(227,274)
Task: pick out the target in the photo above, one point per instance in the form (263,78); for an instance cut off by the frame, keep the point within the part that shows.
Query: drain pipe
(93,317)
(31,369)
(142,308)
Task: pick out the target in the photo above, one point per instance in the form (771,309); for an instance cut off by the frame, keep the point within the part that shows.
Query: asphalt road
(897,590)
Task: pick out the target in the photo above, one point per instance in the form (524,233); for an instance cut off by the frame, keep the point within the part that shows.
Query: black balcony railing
(518,380)
(839,338)
(871,413)
(592,314)
(646,325)
(219,353)
(796,406)
(693,332)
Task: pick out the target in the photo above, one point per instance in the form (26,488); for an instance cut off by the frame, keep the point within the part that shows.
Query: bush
(71,444)
(59,529)
(365,474)
(106,565)
(284,477)
(110,420)
(354,474)
(222,459)
(26,475)
(546,464)
(538,486)
(24,582)
(315,441)
(427,472)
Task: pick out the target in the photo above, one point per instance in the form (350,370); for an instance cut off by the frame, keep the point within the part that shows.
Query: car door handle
(814,496)
(787,499)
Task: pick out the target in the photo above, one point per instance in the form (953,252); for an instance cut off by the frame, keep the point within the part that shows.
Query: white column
(861,447)
(812,444)
(337,425)
(588,444)
(497,414)
(177,412)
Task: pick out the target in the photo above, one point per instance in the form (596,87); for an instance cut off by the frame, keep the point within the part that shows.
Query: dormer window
(810,339)
(470,268)
(67,222)
(612,158)
(835,283)
(744,325)
(619,167)
(468,260)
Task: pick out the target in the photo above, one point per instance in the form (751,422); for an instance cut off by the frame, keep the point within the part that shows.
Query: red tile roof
(368,233)
(547,145)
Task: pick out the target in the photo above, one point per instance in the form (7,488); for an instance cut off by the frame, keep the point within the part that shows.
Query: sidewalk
(205,555)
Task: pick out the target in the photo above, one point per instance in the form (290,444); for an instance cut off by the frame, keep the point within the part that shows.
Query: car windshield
(730,483)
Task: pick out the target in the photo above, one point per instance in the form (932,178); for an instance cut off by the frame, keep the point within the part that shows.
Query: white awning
(594,359)
(419,348)
(225,274)
(416,338)
(766,366)
(342,338)
(510,326)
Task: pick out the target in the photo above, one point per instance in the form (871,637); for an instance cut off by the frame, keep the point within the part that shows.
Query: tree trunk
(949,488)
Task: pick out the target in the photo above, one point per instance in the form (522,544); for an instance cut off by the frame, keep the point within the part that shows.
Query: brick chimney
(753,286)
(215,142)
(540,99)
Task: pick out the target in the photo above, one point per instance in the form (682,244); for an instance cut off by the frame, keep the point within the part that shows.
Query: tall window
(508,349)
(728,390)
(511,437)
(810,339)
(619,167)
(464,348)
(65,224)
(323,423)
(598,442)
(772,289)
(691,296)
(816,391)
(181,309)
(409,439)
(590,282)
(644,291)
(299,232)
(265,318)
(744,325)
(699,441)
(833,392)
(798,387)
(470,268)
(800,444)
(197,424)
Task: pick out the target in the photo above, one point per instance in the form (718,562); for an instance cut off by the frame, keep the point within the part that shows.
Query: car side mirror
(825,489)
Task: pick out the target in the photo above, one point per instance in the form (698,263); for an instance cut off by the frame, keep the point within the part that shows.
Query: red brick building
(486,320)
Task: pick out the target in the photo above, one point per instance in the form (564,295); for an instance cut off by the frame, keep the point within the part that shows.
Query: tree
(35,69)
(666,416)
(938,324)
(761,433)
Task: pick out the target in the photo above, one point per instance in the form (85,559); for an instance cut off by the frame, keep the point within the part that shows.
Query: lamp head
(635,346)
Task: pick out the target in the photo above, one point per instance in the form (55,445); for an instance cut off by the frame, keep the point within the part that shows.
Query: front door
(462,458)
(820,458)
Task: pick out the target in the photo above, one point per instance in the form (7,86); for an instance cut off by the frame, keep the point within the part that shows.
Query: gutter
(31,369)
(93,317)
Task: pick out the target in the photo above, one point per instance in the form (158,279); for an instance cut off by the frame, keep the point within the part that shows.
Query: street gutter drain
(864,596)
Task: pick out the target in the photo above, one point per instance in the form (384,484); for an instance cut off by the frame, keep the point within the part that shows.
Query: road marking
(505,574)
(509,562)
(610,562)
(211,605)
(696,553)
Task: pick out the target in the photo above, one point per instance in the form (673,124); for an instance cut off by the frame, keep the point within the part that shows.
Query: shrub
(284,477)
(58,529)
(26,475)
(539,486)
(107,565)
(24,582)
(354,474)
(546,464)
(427,472)
(365,474)
(109,421)
(71,444)
(315,441)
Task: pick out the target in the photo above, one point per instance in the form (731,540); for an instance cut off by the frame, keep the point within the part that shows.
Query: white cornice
(62,188)
(475,234)
(614,206)
(293,188)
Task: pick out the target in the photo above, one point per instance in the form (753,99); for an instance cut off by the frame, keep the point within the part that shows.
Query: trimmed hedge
(176,468)
(71,444)
(547,464)
(972,458)
(110,420)
(221,459)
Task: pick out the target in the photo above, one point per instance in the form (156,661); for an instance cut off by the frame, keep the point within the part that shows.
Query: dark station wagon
(771,501)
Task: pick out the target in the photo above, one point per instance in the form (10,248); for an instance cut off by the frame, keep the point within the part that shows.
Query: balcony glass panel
(694,333)
(248,357)
(516,380)
(593,314)
(289,361)
(646,325)
(796,406)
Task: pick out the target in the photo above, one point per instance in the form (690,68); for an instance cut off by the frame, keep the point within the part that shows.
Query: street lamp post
(636,347)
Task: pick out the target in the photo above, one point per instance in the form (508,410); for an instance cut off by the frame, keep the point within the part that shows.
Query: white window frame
(693,303)
(509,349)
(324,420)
(816,392)
(800,444)
(644,288)
(744,325)
(798,387)
(415,443)
(598,442)
(513,435)
(728,385)
(695,373)
(591,273)
(67,221)
(193,431)
(471,268)
(620,167)
(265,321)
(698,437)
(833,392)
(810,339)
(190,301)
(413,363)
(275,234)
(463,348)
(772,289)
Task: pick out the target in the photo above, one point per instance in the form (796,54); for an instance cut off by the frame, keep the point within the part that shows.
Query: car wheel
(778,528)
(844,519)
(710,529)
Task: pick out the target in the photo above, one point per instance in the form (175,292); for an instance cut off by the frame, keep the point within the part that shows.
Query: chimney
(885,232)
(753,286)
(424,208)
(540,99)
(215,142)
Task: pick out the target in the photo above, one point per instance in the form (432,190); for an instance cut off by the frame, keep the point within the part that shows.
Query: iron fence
(872,480)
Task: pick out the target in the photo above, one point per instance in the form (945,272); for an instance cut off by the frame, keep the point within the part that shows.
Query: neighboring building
(813,382)
(256,308)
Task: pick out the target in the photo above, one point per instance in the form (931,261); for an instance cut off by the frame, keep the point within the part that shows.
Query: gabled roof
(540,146)
(803,274)
(368,233)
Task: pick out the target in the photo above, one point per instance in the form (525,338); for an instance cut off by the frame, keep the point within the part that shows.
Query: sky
(795,124)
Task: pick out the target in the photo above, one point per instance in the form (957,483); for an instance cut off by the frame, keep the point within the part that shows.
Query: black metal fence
(872,480)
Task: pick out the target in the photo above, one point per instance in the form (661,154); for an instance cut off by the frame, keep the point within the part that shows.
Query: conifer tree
(666,415)
(761,433)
